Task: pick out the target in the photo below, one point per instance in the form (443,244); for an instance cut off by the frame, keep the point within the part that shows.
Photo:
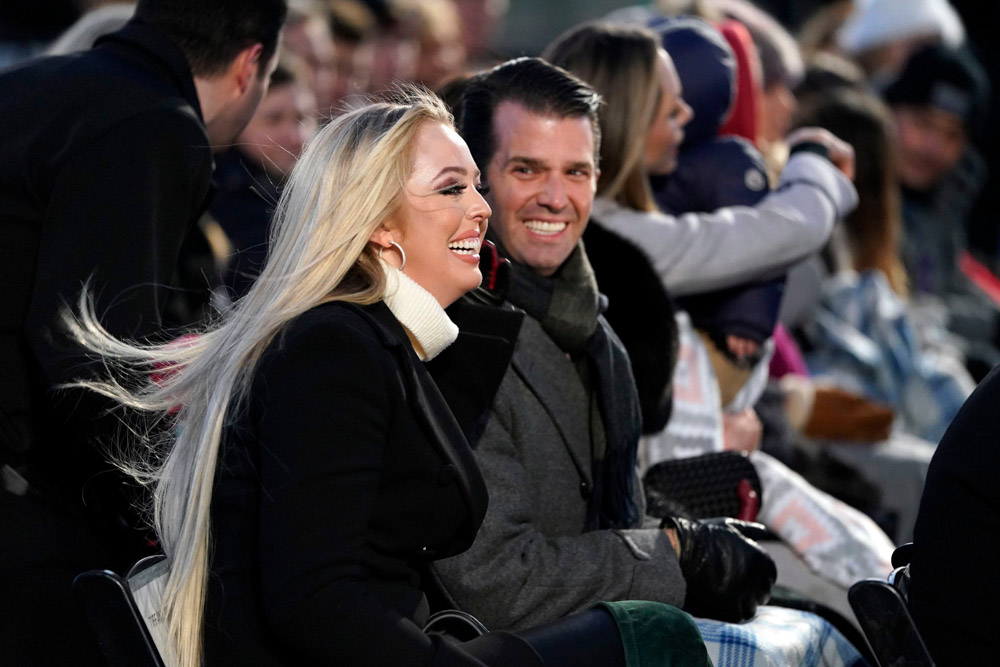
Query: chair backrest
(882,609)
(146,581)
(115,619)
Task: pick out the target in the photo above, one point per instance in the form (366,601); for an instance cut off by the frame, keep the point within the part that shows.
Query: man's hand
(841,152)
(727,573)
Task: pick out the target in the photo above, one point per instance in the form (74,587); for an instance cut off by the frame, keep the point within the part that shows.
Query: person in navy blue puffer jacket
(714,172)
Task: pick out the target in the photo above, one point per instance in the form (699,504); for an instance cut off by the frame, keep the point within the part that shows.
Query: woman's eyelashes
(458,189)
(455,190)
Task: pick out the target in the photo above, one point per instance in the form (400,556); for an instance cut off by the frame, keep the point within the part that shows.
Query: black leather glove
(727,573)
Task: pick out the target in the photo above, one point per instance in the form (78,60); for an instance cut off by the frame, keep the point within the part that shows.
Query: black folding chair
(882,608)
(115,618)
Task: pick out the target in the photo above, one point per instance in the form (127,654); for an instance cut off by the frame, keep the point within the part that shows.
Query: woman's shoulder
(346,330)
(370,321)
(329,349)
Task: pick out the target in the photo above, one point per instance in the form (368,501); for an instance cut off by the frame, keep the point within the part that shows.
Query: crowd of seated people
(412,352)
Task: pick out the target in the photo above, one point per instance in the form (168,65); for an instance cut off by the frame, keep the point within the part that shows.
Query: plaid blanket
(778,636)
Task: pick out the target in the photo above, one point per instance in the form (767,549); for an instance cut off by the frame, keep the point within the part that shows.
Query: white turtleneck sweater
(419,313)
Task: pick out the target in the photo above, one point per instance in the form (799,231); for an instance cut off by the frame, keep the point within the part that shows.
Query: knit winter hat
(944,78)
(706,67)
(877,22)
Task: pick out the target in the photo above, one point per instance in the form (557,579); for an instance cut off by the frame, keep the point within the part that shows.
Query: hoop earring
(402,253)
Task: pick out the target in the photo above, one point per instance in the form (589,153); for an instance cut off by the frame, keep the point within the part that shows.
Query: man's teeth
(465,247)
(545,228)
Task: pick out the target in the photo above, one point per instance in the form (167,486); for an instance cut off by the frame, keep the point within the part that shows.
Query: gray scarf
(568,307)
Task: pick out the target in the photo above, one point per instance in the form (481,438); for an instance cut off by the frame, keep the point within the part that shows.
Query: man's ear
(247,65)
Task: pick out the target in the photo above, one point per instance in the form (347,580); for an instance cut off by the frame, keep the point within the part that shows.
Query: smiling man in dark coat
(107,164)
(565,527)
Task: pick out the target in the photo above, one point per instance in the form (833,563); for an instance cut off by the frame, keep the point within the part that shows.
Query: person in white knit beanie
(881,34)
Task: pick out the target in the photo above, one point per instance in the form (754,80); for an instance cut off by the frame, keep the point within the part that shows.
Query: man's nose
(553,193)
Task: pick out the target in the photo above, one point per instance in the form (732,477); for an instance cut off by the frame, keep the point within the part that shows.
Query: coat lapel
(469,371)
(432,413)
(553,378)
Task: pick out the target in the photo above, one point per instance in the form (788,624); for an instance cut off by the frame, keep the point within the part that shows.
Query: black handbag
(719,484)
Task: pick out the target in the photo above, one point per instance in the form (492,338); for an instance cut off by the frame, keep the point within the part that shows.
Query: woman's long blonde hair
(619,62)
(347,182)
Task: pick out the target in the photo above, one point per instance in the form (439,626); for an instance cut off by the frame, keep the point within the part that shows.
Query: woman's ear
(382,236)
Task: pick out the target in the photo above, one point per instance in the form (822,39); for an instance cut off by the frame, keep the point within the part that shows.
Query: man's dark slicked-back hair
(533,83)
(212,32)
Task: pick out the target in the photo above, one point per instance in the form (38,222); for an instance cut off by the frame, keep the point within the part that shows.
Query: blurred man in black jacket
(108,162)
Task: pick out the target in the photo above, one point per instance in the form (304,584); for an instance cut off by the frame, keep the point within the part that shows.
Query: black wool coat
(106,167)
(954,585)
(345,475)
